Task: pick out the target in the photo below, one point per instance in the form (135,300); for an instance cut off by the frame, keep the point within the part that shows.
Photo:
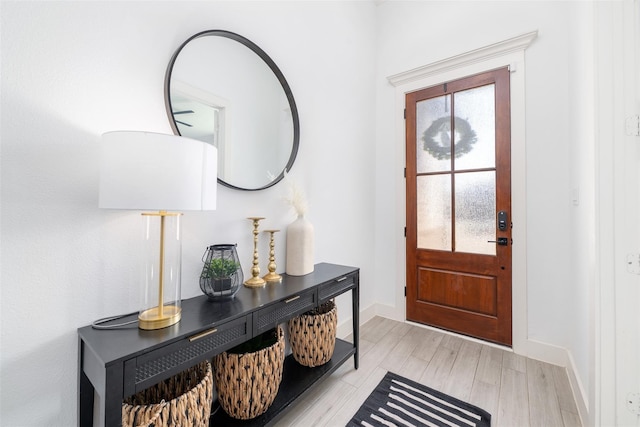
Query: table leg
(111,405)
(85,392)
(355,297)
(85,401)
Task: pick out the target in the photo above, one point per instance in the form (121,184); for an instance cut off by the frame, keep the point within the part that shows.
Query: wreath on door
(437,140)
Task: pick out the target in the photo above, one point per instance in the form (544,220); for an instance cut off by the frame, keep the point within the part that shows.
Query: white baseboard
(579,393)
(545,352)
(345,324)
(561,356)
(389,312)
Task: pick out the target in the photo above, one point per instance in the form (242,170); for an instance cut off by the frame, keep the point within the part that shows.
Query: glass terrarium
(221,275)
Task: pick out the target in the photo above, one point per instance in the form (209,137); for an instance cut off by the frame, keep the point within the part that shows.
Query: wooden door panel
(479,264)
(476,325)
(469,292)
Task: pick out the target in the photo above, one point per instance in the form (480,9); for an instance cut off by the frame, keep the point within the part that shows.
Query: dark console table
(117,363)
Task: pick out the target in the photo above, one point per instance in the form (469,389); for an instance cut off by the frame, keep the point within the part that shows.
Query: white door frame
(615,328)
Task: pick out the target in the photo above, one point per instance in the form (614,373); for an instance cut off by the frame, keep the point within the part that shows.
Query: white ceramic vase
(300,241)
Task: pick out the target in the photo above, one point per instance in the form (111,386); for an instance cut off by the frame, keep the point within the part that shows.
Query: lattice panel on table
(193,351)
(335,288)
(272,317)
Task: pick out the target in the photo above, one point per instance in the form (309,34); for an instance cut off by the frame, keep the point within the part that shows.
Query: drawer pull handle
(341,279)
(292,299)
(202,334)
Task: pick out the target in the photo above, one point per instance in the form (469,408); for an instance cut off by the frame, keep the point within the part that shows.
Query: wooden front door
(459,206)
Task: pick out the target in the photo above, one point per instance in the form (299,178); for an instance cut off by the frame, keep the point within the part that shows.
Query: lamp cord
(100,323)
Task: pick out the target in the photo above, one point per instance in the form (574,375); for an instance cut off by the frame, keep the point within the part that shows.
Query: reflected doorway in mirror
(258,144)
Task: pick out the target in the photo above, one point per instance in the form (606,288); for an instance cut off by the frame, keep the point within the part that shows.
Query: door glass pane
(433,134)
(434,212)
(475,132)
(475,212)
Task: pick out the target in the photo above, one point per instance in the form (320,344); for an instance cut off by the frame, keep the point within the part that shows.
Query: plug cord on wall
(100,323)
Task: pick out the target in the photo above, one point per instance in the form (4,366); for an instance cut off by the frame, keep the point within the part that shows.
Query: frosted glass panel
(433,134)
(475,128)
(475,212)
(434,212)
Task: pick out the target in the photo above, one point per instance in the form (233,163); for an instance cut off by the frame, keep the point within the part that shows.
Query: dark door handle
(502,241)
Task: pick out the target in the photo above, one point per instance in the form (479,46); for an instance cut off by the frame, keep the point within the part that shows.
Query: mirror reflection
(223,89)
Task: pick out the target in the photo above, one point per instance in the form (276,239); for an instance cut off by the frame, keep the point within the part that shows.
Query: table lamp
(161,175)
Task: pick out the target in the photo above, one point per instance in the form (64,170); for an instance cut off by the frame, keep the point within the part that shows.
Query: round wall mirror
(223,89)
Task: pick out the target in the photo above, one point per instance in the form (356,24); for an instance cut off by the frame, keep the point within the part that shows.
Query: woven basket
(312,335)
(247,383)
(182,400)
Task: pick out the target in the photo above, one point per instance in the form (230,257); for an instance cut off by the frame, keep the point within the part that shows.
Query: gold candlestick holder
(255,281)
(272,276)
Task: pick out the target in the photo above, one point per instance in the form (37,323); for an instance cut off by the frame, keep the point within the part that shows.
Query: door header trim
(502,48)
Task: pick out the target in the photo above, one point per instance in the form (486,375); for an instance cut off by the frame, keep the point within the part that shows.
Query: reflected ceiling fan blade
(183,112)
(183,123)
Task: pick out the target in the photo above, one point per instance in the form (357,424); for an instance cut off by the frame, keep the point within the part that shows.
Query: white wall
(579,290)
(73,70)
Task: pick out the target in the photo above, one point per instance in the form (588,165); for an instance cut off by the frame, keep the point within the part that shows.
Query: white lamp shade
(152,171)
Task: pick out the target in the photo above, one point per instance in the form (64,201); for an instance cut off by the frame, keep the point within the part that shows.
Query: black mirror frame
(274,68)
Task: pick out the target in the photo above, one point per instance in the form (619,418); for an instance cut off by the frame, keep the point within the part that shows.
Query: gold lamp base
(154,318)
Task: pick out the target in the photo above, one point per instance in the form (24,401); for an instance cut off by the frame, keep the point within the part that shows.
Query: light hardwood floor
(516,391)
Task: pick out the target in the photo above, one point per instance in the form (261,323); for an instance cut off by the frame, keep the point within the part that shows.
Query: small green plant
(220,268)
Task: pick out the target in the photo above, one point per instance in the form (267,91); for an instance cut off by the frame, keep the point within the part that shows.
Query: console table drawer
(269,317)
(153,367)
(336,287)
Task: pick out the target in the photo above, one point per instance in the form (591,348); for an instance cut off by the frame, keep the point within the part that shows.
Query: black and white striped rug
(398,401)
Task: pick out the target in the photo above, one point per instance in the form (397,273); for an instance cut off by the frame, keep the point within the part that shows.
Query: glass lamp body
(221,275)
(161,284)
